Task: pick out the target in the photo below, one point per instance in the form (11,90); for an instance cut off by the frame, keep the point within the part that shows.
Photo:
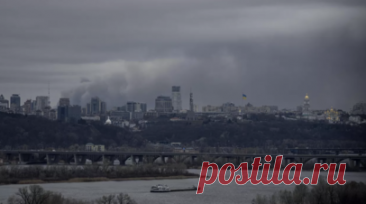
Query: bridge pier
(76,159)
(48,159)
(133,160)
(20,158)
(357,163)
(148,159)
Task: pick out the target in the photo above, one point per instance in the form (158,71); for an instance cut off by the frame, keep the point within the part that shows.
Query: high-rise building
(176,98)
(88,109)
(42,102)
(191,105)
(27,107)
(53,114)
(83,111)
(163,104)
(3,102)
(64,102)
(103,107)
(143,107)
(46,112)
(96,104)
(33,106)
(195,108)
(136,107)
(15,102)
(131,106)
(69,113)
(74,113)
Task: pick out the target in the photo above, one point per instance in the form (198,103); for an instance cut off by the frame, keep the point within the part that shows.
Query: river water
(139,190)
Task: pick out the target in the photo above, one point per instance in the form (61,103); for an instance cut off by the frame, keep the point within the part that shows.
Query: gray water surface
(139,190)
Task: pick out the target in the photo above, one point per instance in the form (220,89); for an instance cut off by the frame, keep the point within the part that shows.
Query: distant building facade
(94,148)
(191,106)
(3,102)
(69,113)
(228,107)
(97,106)
(136,107)
(28,107)
(163,104)
(15,102)
(176,99)
(88,109)
(64,102)
(211,109)
(103,107)
(42,102)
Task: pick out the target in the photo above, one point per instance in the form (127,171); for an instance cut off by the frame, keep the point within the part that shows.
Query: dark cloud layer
(275,51)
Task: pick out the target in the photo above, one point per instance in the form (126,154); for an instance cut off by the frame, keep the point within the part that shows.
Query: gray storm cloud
(84,79)
(274,51)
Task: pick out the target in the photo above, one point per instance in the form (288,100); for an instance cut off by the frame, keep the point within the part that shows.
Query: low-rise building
(355,119)
(94,148)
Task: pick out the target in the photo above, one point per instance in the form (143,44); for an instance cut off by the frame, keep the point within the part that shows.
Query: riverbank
(39,174)
(98,179)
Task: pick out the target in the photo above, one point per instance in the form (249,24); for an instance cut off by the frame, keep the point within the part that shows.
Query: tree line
(15,174)
(259,130)
(322,193)
(35,194)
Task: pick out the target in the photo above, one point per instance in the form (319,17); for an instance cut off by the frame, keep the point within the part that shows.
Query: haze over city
(183,101)
(273,51)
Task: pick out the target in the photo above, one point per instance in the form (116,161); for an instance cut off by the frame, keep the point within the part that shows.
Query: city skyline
(153,106)
(273,51)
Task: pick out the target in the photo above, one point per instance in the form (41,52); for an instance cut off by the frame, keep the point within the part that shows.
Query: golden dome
(306,97)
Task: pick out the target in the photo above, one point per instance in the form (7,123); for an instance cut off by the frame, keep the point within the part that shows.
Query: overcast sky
(274,51)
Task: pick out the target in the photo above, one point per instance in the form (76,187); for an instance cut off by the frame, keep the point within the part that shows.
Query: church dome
(108,121)
(306,97)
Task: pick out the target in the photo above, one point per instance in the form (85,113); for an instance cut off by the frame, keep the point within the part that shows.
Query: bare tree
(33,194)
(106,200)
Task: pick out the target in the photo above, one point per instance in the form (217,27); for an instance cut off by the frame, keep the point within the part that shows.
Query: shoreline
(97,179)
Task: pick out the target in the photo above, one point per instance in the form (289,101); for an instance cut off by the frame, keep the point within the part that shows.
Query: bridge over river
(108,157)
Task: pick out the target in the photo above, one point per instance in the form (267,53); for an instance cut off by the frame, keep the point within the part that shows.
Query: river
(139,190)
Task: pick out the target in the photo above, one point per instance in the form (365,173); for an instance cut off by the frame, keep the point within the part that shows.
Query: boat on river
(164,189)
(159,188)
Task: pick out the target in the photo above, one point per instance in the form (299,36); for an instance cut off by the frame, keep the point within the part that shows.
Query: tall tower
(176,99)
(191,106)
(49,95)
(306,106)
